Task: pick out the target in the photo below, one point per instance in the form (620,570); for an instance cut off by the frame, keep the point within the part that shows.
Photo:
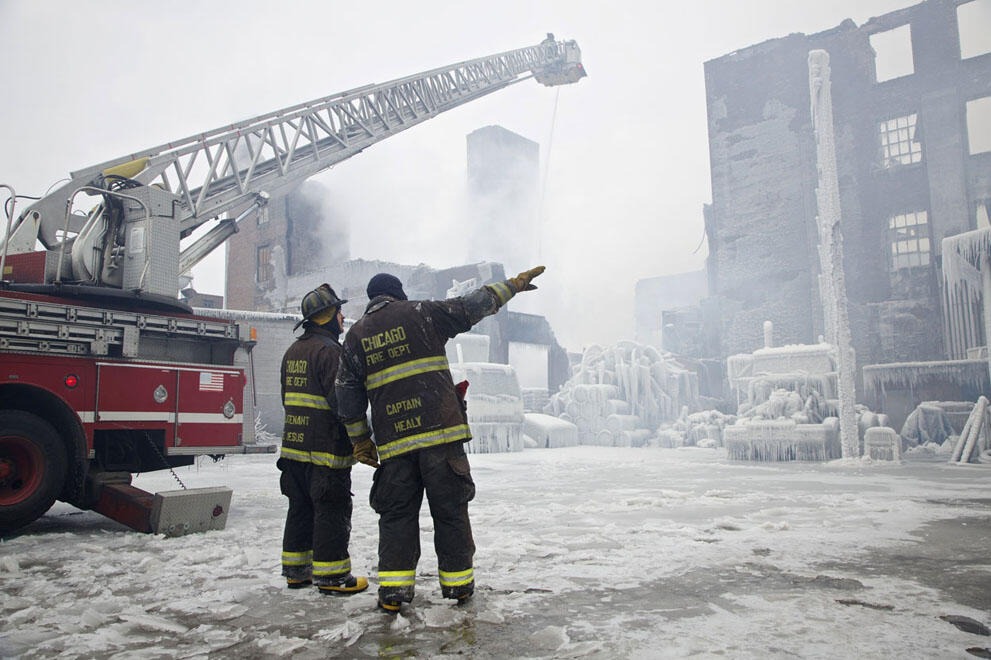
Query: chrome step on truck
(171,512)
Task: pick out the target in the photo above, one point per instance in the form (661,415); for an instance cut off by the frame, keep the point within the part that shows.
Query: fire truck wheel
(32,468)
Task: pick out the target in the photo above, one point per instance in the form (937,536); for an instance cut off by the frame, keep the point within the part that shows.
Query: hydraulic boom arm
(183,184)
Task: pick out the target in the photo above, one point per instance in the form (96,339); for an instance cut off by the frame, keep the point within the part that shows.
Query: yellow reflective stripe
(327,459)
(358,428)
(332,567)
(397,578)
(405,370)
(502,290)
(457,579)
(301,400)
(297,558)
(295,454)
(425,439)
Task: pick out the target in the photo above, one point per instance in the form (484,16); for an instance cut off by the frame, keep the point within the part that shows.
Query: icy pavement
(582,552)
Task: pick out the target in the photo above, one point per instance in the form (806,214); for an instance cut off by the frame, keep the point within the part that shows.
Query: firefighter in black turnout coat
(316,456)
(394,358)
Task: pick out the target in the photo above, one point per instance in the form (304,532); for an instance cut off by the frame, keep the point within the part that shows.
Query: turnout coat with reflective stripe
(394,358)
(313,433)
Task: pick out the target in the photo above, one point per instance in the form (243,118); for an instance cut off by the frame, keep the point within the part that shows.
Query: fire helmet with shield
(317,302)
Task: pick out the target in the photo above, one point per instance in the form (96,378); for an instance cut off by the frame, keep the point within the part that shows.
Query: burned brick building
(296,233)
(912,112)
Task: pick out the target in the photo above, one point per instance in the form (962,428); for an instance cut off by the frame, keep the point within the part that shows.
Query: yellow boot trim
(360,584)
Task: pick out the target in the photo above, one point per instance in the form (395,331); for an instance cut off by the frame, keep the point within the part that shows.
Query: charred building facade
(912,112)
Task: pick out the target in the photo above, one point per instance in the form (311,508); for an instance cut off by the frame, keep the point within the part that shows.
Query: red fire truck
(103,371)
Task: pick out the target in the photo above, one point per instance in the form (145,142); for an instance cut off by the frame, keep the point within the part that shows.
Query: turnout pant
(396,495)
(318,523)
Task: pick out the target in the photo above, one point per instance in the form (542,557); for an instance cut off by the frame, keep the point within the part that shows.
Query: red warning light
(71,381)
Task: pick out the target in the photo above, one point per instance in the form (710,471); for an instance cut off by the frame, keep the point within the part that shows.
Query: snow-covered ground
(582,552)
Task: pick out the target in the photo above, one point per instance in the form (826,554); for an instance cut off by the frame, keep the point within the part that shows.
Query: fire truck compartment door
(137,396)
(211,409)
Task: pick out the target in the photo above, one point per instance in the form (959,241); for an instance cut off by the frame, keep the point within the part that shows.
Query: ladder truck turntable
(103,371)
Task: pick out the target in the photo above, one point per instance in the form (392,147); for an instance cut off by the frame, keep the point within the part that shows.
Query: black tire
(33,465)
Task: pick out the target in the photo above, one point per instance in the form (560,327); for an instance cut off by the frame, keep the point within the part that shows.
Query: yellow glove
(522,281)
(365,452)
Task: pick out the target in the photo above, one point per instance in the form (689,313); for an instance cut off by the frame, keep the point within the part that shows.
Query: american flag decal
(211,381)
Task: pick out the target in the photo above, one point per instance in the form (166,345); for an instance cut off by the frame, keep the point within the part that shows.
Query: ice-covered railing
(963,373)
(962,257)
(245,315)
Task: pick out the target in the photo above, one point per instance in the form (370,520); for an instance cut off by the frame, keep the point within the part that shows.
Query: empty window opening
(909,237)
(973,19)
(264,271)
(893,53)
(979,125)
(899,145)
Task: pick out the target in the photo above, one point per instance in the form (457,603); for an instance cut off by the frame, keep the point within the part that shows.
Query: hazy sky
(87,81)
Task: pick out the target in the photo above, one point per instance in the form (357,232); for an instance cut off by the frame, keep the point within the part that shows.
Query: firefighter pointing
(394,359)
(316,456)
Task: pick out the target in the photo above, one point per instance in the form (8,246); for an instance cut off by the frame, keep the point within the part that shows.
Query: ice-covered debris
(699,429)
(275,644)
(783,440)
(928,423)
(150,622)
(668,438)
(976,435)
(550,432)
(348,632)
(400,624)
(442,616)
(616,393)
(550,638)
(9,564)
(262,435)
(468,347)
(495,406)
(13,603)
(882,443)
(795,358)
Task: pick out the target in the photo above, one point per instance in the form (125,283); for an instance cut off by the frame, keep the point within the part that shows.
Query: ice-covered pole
(831,245)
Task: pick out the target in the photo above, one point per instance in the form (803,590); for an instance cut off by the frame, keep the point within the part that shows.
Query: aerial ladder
(105,371)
